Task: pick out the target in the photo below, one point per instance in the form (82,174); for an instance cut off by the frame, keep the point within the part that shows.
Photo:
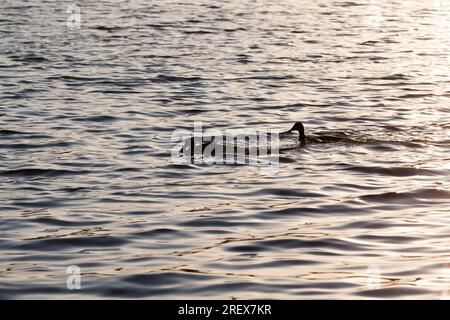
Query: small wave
(350,138)
(76,242)
(393,292)
(393,128)
(234,29)
(394,171)
(31,58)
(271,264)
(33,172)
(78,78)
(118,91)
(162,233)
(109,29)
(416,95)
(194,111)
(369,225)
(393,77)
(5,132)
(198,32)
(369,43)
(100,118)
(286,193)
(294,243)
(408,197)
(165,278)
(166,78)
(308,211)
(177,167)
(273,77)
(25,146)
(216,223)
(347,4)
(66,223)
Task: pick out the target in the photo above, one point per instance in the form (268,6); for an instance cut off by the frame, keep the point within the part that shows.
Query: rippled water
(86,176)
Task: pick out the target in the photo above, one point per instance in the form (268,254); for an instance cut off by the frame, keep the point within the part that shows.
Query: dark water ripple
(86,178)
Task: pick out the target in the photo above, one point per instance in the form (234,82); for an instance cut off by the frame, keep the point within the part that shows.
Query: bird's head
(298,126)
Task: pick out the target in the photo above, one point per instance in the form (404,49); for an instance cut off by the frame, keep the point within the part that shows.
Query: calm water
(86,177)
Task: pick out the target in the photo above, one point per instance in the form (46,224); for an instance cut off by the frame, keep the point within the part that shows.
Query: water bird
(201,144)
(298,126)
(323,137)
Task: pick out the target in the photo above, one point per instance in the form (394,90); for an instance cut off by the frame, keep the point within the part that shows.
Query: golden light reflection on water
(355,218)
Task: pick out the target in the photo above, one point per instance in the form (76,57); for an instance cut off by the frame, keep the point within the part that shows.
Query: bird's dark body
(209,146)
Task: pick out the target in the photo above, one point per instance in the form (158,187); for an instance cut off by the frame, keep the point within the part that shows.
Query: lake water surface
(87,179)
